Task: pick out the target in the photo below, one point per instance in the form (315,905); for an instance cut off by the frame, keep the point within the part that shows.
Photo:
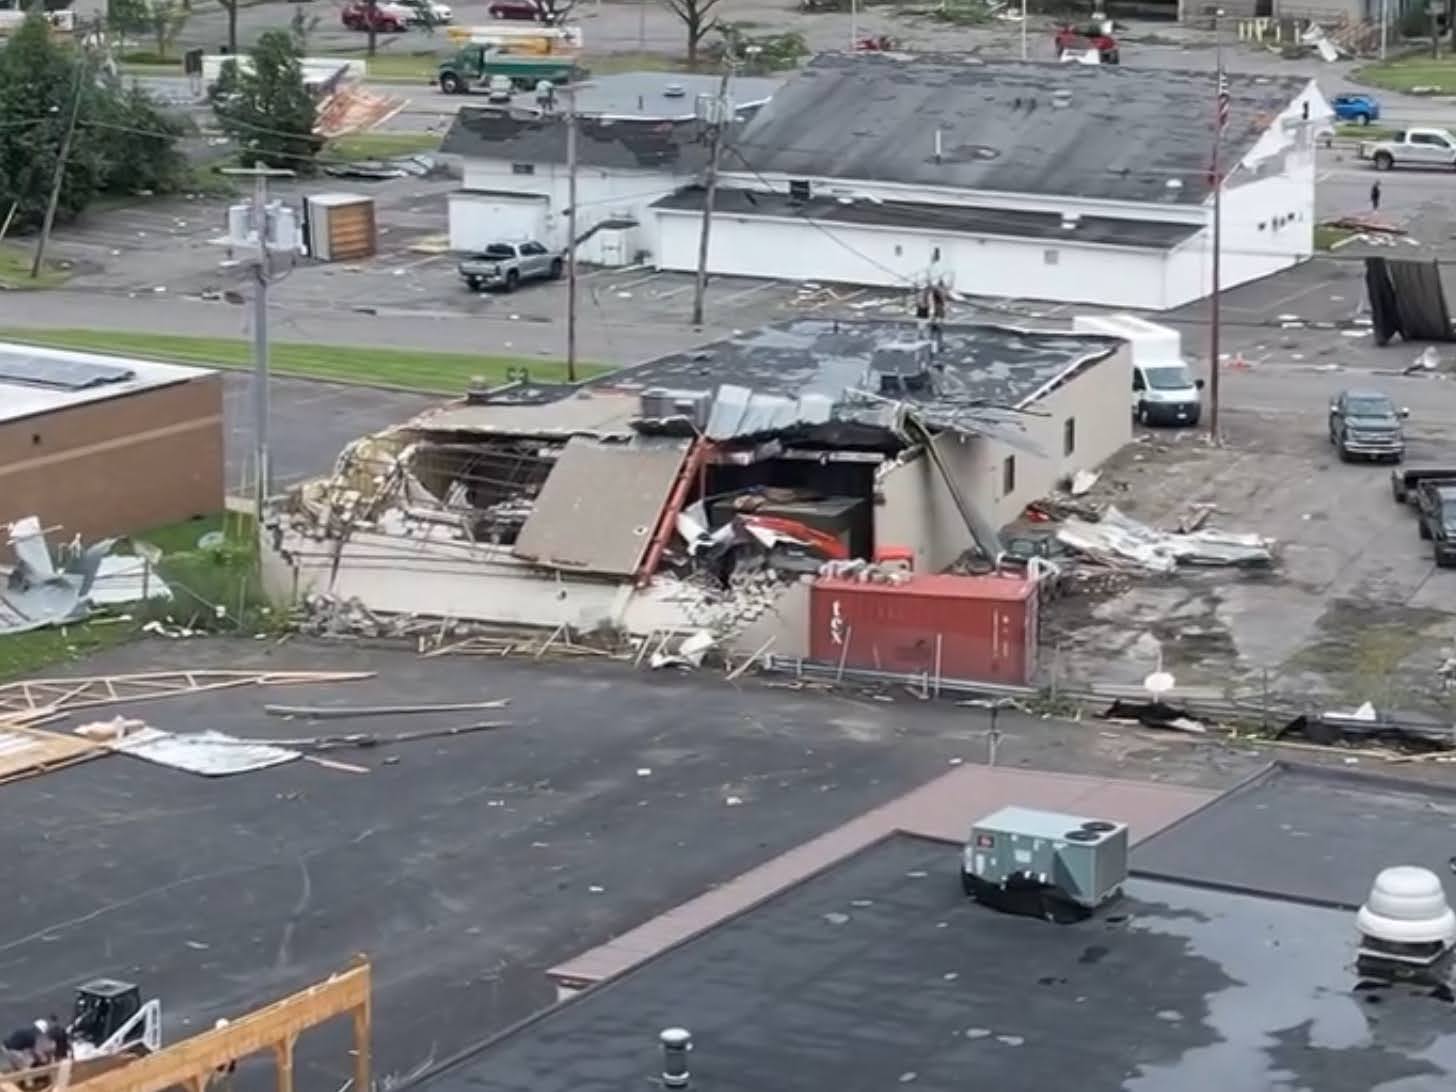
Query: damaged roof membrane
(813,372)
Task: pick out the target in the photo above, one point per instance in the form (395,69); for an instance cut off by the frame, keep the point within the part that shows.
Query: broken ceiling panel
(598,509)
(211,754)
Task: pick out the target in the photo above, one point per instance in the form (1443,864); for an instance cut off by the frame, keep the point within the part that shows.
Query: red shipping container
(986,626)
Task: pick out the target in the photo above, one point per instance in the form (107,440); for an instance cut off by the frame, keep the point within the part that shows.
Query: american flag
(1225,104)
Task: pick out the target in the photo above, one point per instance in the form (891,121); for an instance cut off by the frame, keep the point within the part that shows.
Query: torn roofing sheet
(743,412)
(600,505)
(211,754)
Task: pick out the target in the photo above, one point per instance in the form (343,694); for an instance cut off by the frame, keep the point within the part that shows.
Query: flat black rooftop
(1306,832)
(1122,133)
(878,973)
(920,215)
(976,364)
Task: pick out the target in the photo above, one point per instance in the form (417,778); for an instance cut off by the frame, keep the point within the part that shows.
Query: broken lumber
(343,712)
(31,698)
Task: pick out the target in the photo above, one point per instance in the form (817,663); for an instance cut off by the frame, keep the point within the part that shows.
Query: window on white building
(523,168)
(1008,476)
(1069,436)
(1051,257)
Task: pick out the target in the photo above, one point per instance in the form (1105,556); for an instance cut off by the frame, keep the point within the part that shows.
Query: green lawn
(606,64)
(15,270)
(382,145)
(404,369)
(200,580)
(1429,75)
(1326,237)
(1355,131)
(387,65)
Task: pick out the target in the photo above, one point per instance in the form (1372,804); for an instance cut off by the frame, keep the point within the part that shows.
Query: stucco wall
(917,509)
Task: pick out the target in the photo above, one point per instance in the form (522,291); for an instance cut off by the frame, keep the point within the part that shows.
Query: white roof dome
(1407,905)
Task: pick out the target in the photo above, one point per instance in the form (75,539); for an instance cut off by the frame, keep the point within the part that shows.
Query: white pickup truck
(1411,148)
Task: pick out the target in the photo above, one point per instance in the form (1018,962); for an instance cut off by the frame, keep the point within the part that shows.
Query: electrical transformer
(1061,867)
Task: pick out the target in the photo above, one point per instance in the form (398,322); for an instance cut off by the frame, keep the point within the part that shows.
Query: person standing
(1375,196)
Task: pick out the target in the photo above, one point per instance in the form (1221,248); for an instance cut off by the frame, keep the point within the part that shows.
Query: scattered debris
(1119,539)
(1365,724)
(1156,714)
(32,700)
(341,712)
(1083,481)
(209,753)
(38,594)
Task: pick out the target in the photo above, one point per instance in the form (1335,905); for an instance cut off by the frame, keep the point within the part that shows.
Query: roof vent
(1061,98)
(675,91)
(1070,220)
(1174,184)
(676,1044)
(1406,920)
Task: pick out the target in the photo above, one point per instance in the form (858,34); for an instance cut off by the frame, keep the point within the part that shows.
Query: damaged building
(714,489)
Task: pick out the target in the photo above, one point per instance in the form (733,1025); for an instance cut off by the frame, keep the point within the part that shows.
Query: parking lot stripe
(724,301)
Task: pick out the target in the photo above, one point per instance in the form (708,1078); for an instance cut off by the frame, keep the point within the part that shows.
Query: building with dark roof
(1035,180)
(1229,961)
(639,138)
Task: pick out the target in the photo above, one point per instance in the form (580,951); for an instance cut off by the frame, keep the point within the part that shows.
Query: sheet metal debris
(36,593)
(1120,540)
(209,753)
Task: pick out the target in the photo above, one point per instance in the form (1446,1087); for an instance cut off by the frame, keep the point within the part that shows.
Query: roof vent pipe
(676,1043)
(937,144)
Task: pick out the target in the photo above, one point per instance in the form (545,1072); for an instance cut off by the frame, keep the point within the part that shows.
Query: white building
(1024,180)
(639,139)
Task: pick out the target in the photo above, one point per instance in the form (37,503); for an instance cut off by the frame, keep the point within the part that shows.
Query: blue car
(1357,108)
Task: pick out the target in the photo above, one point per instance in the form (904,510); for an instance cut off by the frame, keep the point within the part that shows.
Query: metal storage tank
(984,628)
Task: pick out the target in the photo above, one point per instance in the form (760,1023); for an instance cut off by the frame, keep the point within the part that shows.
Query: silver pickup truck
(506,265)
(1411,148)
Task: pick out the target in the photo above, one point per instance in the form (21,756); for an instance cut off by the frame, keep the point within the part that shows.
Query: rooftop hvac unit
(659,404)
(1059,867)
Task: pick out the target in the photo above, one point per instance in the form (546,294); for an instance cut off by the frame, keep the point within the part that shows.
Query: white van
(1164,391)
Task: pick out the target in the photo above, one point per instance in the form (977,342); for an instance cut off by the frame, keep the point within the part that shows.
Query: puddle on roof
(1290,1015)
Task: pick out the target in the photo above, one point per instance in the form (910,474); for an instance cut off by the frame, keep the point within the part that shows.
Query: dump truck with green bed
(472,68)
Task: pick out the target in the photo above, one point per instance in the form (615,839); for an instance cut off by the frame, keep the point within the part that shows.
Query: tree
(267,110)
(231,7)
(555,12)
(123,141)
(127,19)
(697,19)
(167,18)
(301,28)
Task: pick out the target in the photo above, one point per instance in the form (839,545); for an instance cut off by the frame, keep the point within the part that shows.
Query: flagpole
(1213,316)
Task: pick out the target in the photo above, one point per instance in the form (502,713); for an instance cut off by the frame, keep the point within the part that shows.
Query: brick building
(98,445)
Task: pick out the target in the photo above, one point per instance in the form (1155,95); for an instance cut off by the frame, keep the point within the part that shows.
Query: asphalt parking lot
(1354,608)
(469,865)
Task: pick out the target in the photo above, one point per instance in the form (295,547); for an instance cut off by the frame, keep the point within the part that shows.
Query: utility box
(1019,852)
(341,226)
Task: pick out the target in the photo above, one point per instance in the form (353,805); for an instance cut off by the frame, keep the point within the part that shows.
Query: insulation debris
(1120,540)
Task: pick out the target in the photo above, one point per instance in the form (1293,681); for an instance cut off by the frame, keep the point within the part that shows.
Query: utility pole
(570,233)
(1023,30)
(77,88)
(715,147)
(1219,117)
(260,173)
(1384,26)
(853,24)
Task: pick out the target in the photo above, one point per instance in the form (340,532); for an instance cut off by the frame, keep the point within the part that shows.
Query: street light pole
(1384,26)
(1023,30)
(260,173)
(1213,310)
(570,233)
